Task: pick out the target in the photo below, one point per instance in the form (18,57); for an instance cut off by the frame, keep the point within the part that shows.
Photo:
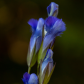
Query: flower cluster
(41,45)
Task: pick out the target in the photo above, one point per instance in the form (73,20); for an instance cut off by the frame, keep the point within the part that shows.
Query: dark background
(15,34)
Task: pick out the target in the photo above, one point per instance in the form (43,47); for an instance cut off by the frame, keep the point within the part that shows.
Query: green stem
(29,68)
(38,70)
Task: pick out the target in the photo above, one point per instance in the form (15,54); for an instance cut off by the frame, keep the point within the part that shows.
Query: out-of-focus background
(15,35)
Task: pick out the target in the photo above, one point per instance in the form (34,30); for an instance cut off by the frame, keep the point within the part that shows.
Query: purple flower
(25,78)
(52,9)
(37,27)
(46,67)
(47,59)
(35,40)
(53,27)
(30,79)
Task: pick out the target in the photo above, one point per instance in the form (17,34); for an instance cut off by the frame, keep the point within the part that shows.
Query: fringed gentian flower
(41,42)
(30,79)
(53,27)
(35,41)
(46,68)
(52,9)
(36,27)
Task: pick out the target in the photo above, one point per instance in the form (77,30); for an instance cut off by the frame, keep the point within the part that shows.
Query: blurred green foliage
(15,34)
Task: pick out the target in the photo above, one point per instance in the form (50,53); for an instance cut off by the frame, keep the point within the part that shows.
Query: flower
(37,27)
(46,68)
(53,27)
(41,43)
(47,59)
(52,9)
(25,78)
(35,40)
(30,79)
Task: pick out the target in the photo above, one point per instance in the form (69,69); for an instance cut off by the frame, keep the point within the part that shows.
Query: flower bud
(46,68)
(35,40)
(52,9)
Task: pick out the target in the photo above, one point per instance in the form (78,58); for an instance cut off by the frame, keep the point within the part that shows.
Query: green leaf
(41,53)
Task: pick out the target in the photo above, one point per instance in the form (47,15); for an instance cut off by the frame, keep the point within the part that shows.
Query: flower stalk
(29,68)
(44,33)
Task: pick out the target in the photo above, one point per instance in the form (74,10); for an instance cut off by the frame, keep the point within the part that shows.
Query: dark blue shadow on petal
(49,22)
(38,43)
